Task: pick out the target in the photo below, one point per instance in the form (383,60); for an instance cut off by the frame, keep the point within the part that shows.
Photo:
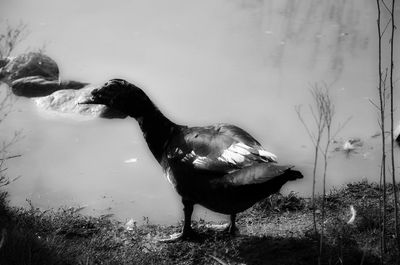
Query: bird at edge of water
(221,167)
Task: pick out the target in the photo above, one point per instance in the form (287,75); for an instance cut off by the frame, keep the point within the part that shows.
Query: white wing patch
(198,161)
(267,155)
(231,156)
(237,152)
(189,156)
(240,148)
(201,161)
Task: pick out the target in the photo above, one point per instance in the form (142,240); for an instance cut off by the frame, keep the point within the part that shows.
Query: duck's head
(122,96)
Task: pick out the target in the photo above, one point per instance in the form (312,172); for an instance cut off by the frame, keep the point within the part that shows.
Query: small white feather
(353,215)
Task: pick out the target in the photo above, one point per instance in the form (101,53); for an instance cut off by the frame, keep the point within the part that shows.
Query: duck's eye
(95,91)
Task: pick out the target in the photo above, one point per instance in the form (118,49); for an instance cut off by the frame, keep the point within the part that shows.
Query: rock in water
(29,64)
(69,84)
(34,75)
(36,86)
(37,75)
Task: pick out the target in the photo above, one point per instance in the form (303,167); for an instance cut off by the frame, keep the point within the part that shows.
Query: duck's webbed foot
(232,230)
(187,234)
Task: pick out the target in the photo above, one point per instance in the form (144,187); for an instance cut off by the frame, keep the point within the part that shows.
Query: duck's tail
(292,174)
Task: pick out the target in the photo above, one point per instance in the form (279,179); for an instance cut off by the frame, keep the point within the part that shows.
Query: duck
(220,167)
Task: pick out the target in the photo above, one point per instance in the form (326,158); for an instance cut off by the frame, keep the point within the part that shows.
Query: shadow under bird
(220,167)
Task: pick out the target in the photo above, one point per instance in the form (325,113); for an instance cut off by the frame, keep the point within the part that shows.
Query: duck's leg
(232,229)
(187,232)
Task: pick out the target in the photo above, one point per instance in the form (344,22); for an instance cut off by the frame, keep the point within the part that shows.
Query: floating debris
(351,145)
(131,160)
(348,146)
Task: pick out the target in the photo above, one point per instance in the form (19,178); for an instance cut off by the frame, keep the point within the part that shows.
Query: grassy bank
(277,230)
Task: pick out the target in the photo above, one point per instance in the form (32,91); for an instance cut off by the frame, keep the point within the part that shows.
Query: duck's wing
(221,148)
(260,173)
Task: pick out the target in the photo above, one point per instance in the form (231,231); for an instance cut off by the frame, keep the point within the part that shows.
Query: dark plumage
(221,167)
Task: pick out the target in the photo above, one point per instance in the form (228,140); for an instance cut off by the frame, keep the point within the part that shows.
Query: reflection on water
(247,63)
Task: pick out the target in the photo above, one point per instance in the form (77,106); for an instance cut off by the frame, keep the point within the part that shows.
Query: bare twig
(395,201)
(382,98)
(11,37)
(328,111)
(319,122)
(8,181)
(374,104)
(386,27)
(9,157)
(220,261)
(341,127)
(386,7)
(322,116)
(298,111)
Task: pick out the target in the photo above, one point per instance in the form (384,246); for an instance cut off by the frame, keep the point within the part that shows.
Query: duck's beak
(90,100)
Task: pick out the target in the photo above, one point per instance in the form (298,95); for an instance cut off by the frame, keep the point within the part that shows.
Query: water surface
(242,62)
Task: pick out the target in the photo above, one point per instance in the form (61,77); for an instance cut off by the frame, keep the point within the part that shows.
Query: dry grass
(277,230)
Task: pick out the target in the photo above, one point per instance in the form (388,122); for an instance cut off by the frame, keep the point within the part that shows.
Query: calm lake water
(202,62)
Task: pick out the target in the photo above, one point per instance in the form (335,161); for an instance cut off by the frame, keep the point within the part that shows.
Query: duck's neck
(157,130)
